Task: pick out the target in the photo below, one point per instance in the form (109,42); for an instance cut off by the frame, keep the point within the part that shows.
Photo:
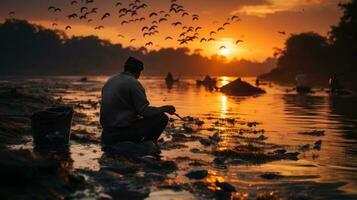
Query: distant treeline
(28,49)
(321,57)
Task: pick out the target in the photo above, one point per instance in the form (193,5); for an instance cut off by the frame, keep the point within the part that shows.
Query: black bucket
(52,126)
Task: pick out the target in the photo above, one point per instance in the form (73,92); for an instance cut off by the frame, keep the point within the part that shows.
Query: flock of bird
(85,11)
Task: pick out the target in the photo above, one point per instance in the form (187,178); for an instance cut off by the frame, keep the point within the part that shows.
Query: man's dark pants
(146,129)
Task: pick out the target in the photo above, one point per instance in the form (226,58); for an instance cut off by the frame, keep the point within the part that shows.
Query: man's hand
(169,109)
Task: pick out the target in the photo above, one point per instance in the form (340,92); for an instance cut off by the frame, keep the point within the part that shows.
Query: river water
(328,173)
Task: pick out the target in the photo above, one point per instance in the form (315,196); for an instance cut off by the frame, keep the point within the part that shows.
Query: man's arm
(142,105)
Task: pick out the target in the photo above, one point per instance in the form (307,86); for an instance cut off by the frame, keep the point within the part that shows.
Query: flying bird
(238,41)
(203,40)
(105,15)
(83,9)
(152,28)
(168,38)
(149,44)
(182,34)
(58,10)
(72,16)
(74,2)
(94,10)
(211,39)
(99,27)
(153,14)
(51,8)
(234,17)
(176,23)
(282,32)
(226,24)
(212,32)
(183,14)
(144,28)
(132,40)
(68,27)
(173,10)
(222,47)
(220,29)
(162,20)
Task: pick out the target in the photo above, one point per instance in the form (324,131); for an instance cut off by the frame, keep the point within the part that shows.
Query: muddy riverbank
(208,156)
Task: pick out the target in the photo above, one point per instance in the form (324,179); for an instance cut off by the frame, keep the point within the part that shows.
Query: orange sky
(260,22)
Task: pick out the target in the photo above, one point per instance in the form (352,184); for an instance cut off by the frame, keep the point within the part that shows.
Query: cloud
(274,6)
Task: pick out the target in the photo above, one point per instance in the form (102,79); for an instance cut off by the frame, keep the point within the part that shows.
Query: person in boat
(257,81)
(169,78)
(125,112)
(334,84)
(207,79)
(302,84)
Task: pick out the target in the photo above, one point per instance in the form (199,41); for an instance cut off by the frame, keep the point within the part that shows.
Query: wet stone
(206,142)
(199,174)
(123,167)
(134,148)
(271,176)
(314,133)
(227,187)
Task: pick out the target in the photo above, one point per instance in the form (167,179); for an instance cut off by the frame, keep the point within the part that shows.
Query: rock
(227,187)
(197,163)
(317,145)
(199,174)
(231,121)
(199,122)
(195,150)
(280,151)
(314,133)
(189,118)
(241,88)
(262,137)
(123,167)
(219,160)
(75,178)
(187,128)
(271,176)
(205,142)
(252,124)
(305,147)
(237,162)
(163,167)
(134,148)
(215,137)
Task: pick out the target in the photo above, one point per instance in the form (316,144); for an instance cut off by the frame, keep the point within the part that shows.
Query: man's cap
(133,65)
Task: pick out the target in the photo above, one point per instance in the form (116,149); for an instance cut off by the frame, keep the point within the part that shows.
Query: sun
(225,47)
(225,52)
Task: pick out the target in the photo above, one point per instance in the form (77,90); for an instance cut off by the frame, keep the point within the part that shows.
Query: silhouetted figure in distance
(169,78)
(126,114)
(334,84)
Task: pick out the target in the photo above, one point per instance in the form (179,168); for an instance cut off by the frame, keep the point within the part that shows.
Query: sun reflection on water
(224,107)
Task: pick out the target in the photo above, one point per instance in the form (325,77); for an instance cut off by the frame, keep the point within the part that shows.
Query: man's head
(134,66)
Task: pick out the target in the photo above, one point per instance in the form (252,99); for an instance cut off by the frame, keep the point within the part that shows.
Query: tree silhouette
(318,56)
(34,50)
